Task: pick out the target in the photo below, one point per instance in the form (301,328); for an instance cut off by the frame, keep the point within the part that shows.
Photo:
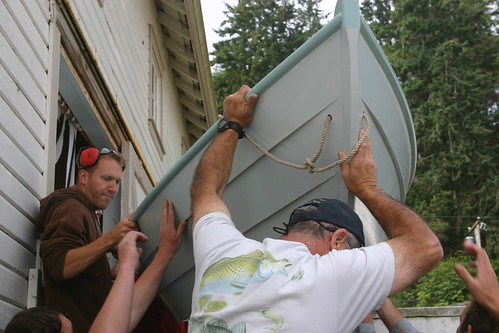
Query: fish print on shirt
(232,276)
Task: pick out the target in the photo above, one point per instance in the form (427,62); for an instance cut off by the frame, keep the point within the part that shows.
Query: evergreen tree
(445,53)
(258,36)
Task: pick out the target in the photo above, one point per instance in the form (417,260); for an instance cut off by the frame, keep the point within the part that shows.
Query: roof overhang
(185,43)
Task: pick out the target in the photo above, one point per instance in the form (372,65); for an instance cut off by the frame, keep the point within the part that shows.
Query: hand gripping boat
(341,71)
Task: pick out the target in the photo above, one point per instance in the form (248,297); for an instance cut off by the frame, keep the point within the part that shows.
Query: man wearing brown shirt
(73,248)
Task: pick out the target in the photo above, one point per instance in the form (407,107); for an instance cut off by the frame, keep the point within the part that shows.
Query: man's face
(101,182)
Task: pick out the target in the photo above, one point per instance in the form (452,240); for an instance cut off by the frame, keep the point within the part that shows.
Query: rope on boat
(309,164)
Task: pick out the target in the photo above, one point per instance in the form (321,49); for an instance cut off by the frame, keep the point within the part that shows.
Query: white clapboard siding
(118,35)
(19,12)
(17,225)
(20,166)
(20,136)
(25,83)
(43,9)
(24,110)
(14,287)
(16,194)
(21,44)
(38,16)
(120,69)
(7,311)
(15,256)
(24,36)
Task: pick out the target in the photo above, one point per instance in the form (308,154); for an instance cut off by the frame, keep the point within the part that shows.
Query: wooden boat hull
(340,71)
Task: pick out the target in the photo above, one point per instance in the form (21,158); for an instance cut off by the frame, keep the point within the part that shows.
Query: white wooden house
(129,74)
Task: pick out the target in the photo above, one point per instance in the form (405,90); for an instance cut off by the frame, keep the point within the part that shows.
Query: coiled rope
(310,162)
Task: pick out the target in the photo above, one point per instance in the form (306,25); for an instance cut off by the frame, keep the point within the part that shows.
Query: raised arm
(146,287)
(484,287)
(213,171)
(114,316)
(416,248)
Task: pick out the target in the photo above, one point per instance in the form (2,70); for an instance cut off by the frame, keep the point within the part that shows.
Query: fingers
(137,236)
(471,248)
(251,101)
(345,166)
(243,90)
(168,212)
(181,227)
(464,274)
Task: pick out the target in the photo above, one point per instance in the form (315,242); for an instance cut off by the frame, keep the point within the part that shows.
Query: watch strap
(233,126)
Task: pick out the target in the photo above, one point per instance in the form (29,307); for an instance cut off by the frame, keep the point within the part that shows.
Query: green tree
(445,53)
(441,286)
(259,35)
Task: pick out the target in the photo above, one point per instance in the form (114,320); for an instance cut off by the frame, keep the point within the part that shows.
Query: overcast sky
(213,16)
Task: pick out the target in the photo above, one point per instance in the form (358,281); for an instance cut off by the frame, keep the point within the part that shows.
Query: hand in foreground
(128,251)
(116,234)
(239,110)
(170,238)
(484,287)
(359,174)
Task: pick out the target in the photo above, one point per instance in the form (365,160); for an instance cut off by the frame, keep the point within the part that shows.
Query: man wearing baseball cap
(316,277)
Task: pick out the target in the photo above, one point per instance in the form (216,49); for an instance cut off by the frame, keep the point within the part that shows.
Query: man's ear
(338,240)
(469,330)
(82,176)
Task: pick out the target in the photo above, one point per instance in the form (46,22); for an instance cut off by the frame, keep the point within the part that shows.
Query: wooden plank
(23,50)
(15,256)
(18,226)
(7,311)
(39,17)
(13,288)
(17,195)
(18,103)
(20,166)
(24,79)
(28,29)
(19,134)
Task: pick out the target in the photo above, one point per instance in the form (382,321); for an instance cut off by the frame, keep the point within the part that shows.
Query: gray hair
(319,230)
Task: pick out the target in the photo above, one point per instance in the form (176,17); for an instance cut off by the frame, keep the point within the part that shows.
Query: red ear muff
(88,157)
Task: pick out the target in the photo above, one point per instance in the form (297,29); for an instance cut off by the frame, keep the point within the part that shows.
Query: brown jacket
(68,221)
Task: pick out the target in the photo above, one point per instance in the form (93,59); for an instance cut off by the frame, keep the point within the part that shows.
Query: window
(156,126)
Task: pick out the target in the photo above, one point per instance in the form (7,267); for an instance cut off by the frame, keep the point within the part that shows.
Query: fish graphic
(297,276)
(216,325)
(232,275)
(273,316)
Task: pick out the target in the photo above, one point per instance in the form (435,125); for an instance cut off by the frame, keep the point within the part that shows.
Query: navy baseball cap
(330,211)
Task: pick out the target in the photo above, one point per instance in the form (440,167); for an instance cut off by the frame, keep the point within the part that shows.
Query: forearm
(395,218)
(114,316)
(212,174)
(146,288)
(79,259)
(389,314)
(417,249)
(214,168)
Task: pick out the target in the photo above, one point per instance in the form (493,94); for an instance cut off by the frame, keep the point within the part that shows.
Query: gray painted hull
(340,71)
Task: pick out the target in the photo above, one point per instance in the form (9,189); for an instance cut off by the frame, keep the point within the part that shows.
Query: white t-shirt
(242,285)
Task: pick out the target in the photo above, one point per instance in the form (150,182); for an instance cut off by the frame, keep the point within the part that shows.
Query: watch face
(222,124)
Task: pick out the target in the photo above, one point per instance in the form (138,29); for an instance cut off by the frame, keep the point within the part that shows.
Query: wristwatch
(225,124)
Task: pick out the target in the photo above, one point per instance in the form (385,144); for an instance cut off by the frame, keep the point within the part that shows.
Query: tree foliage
(441,286)
(445,53)
(257,36)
